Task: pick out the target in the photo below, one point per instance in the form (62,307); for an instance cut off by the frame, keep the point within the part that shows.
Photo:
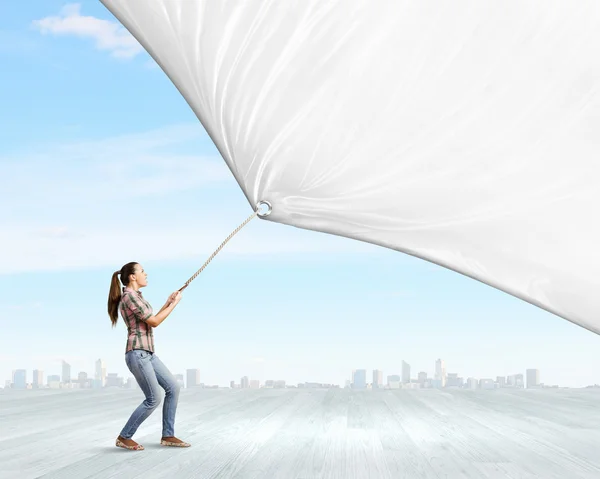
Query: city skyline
(441,378)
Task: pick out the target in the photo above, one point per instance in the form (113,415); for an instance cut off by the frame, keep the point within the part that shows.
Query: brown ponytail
(114,294)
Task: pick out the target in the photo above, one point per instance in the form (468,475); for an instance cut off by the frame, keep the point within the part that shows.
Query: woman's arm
(164,307)
(155,320)
(169,301)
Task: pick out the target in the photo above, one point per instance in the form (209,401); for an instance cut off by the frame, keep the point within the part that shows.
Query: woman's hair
(114,295)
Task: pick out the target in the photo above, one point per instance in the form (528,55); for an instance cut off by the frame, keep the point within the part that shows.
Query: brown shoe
(128,444)
(173,442)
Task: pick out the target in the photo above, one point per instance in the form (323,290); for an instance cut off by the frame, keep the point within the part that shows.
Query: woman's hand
(174,298)
(177,297)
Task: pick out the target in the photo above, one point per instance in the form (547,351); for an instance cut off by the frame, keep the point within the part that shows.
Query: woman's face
(140,276)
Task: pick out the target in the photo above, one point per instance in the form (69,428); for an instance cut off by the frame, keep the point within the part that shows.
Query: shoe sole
(174,444)
(139,447)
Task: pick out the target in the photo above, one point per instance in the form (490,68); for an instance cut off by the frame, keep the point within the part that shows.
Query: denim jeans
(150,373)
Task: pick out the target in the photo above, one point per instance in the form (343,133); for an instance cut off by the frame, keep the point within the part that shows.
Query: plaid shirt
(135,310)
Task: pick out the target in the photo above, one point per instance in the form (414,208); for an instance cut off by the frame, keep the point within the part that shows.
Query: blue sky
(103,162)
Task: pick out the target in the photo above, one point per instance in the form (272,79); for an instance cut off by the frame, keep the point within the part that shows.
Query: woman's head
(132,275)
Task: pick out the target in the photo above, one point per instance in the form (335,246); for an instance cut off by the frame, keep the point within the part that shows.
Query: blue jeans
(150,373)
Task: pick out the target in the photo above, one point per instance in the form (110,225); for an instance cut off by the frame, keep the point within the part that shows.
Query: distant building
(100,374)
(440,373)
(533,378)
(472,383)
(193,378)
(114,380)
(359,379)
(38,379)
(66,372)
(452,380)
(54,381)
(377,379)
(405,372)
(519,381)
(487,384)
(19,379)
(394,383)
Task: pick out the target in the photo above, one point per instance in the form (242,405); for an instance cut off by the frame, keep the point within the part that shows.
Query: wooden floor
(307,433)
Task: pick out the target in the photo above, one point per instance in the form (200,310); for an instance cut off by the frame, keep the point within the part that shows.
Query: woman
(148,370)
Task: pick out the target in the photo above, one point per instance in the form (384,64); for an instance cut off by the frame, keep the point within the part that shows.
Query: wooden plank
(311,433)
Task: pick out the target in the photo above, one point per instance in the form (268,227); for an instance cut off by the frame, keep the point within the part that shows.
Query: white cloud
(94,204)
(36,305)
(56,232)
(106,246)
(110,169)
(108,35)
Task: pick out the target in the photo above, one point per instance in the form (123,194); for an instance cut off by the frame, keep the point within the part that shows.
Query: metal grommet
(263,214)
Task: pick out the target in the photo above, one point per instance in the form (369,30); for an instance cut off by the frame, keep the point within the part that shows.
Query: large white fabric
(466,133)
